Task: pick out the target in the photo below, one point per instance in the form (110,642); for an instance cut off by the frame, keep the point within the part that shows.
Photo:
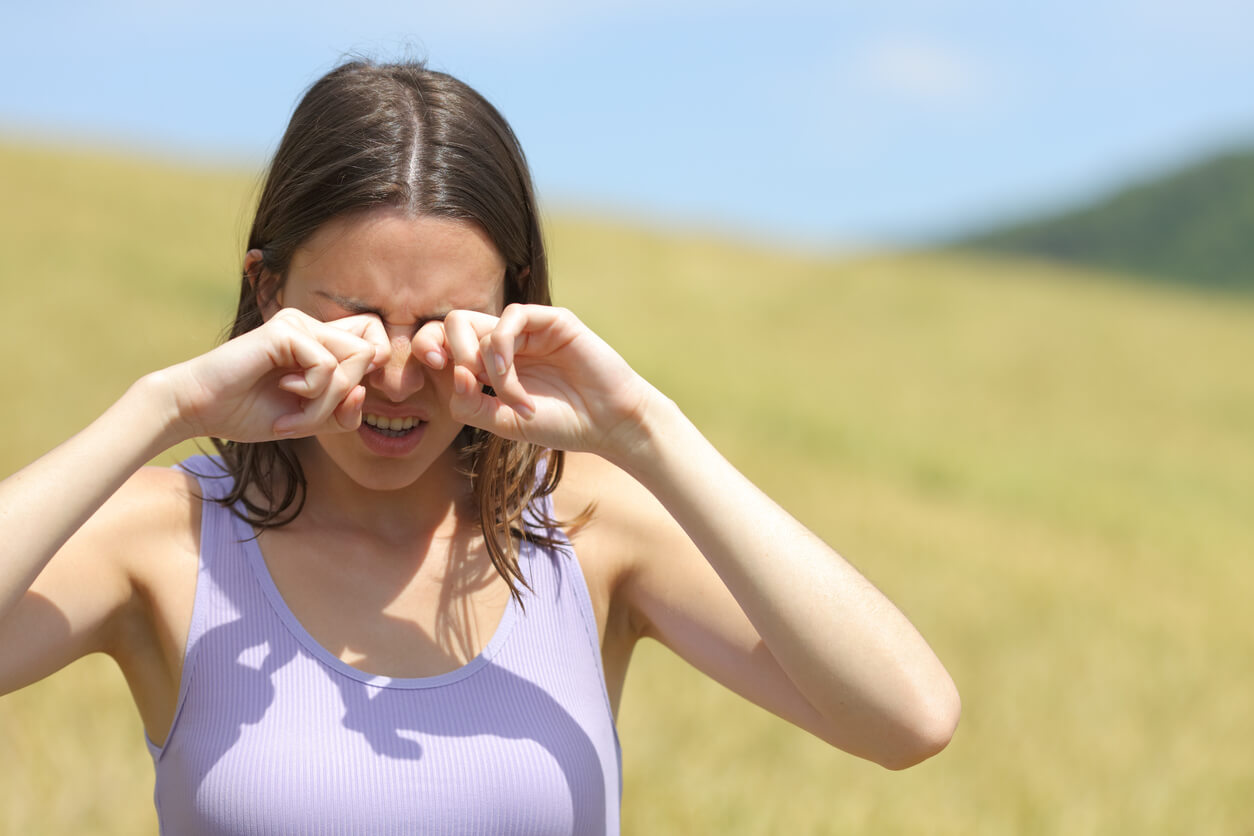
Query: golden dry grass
(1049,470)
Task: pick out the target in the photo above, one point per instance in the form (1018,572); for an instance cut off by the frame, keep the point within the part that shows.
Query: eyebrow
(356,306)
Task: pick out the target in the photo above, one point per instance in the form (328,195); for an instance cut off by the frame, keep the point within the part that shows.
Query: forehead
(406,268)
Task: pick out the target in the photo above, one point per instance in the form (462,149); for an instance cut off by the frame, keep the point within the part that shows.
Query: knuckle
(288,315)
(341,385)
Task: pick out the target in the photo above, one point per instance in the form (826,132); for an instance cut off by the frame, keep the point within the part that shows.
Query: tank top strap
(556,576)
(270,737)
(223,535)
(223,583)
(210,472)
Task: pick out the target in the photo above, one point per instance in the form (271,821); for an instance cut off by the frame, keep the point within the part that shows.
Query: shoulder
(621,508)
(619,499)
(158,500)
(140,547)
(627,527)
(153,517)
(619,527)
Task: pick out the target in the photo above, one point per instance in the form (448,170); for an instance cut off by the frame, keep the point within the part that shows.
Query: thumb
(471,405)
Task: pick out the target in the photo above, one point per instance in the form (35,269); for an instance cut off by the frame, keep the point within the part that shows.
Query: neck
(439,504)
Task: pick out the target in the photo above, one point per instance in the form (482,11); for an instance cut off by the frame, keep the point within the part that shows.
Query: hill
(1049,469)
(1194,225)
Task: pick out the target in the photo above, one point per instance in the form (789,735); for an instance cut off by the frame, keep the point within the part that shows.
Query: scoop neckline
(262,572)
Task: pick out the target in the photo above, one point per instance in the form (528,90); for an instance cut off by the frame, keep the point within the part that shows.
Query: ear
(266,287)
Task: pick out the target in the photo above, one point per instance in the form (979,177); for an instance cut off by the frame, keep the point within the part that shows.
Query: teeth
(395,424)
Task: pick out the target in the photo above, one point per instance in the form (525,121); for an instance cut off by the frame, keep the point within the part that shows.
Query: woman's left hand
(719,572)
(557,384)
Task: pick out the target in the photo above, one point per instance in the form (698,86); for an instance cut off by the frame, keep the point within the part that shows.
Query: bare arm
(292,376)
(742,590)
(43,505)
(834,655)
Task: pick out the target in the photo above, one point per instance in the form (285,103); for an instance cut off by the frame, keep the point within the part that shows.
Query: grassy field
(1050,471)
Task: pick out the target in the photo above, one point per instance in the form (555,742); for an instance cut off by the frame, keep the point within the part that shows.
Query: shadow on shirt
(269,738)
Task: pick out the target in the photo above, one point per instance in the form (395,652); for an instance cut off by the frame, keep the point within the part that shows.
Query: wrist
(154,397)
(659,427)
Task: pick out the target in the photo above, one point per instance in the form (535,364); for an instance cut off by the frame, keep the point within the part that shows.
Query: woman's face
(408,271)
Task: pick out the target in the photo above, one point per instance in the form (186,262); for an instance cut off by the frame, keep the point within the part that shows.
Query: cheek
(441,379)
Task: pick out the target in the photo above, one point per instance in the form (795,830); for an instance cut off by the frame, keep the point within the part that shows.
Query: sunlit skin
(406,271)
(400,503)
(392,316)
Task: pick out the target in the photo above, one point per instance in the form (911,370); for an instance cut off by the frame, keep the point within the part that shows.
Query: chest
(393,612)
(299,751)
(277,735)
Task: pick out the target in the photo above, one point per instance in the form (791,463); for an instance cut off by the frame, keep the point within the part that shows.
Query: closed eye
(352,307)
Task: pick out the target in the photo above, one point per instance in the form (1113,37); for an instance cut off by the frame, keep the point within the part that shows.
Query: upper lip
(394,411)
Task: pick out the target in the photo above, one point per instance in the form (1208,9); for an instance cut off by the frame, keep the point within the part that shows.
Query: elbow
(927,733)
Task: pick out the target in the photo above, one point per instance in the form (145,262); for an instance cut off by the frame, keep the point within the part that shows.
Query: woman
(389,604)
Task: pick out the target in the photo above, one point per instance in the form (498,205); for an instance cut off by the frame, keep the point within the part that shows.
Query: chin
(434,459)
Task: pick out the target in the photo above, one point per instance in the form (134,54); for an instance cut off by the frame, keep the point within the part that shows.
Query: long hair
(370,135)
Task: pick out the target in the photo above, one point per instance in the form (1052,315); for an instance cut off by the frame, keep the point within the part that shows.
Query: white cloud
(923,71)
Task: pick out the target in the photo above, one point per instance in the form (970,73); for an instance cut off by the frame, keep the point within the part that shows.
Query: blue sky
(830,124)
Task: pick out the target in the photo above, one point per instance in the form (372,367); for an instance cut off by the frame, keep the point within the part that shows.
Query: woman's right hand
(293,376)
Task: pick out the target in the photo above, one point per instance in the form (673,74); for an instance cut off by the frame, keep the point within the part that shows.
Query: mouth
(391,427)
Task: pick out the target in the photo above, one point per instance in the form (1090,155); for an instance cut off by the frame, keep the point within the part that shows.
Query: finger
(500,347)
(509,329)
(293,329)
(294,383)
(314,364)
(330,404)
(348,414)
(463,331)
(336,407)
(503,377)
(342,337)
(350,339)
(534,329)
(354,344)
(370,328)
(470,405)
(332,363)
(430,345)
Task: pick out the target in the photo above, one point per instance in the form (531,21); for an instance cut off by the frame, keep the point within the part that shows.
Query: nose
(402,375)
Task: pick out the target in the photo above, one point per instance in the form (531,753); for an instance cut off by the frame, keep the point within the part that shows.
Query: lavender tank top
(273,734)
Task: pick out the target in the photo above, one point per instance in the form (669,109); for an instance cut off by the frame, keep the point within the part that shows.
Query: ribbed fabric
(275,735)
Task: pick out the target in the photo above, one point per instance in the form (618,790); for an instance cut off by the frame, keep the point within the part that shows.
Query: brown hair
(372,135)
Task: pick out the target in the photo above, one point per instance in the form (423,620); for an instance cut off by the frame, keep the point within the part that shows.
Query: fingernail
(459,384)
(499,361)
(434,359)
(525,411)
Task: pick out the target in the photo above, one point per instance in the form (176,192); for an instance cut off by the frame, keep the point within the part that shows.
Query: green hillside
(1194,225)
(1048,468)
